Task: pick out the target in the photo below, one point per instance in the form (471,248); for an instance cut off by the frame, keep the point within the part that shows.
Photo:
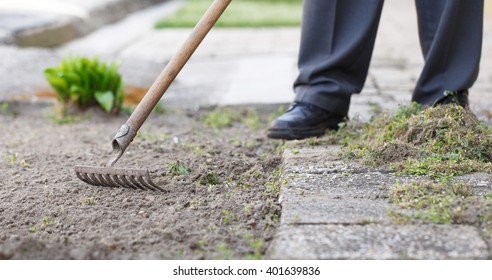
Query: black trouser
(338,39)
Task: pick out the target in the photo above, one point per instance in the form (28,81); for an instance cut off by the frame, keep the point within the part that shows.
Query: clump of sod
(440,141)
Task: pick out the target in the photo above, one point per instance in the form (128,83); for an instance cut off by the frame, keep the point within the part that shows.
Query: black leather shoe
(459,97)
(302,121)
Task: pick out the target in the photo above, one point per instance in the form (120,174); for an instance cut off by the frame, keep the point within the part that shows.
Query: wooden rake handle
(129,130)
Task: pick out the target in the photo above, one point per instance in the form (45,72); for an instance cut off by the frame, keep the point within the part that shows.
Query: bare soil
(225,207)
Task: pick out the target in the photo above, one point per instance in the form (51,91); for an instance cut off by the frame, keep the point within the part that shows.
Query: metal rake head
(116,177)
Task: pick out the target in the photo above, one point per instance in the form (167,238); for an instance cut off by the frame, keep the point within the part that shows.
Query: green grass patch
(240,13)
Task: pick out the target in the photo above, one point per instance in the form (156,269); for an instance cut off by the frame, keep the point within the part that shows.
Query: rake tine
(149,180)
(125,179)
(82,177)
(89,179)
(92,180)
(149,183)
(134,181)
(97,178)
(142,182)
(117,180)
(109,181)
(102,179)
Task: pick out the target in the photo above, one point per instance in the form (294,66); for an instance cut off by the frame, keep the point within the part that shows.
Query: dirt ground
(222,203)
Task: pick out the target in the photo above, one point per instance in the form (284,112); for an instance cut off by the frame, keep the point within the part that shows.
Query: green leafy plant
(87,82)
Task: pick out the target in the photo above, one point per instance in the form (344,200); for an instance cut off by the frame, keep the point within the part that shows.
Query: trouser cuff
(337,103)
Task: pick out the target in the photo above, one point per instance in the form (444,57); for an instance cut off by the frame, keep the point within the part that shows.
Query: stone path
(331,209)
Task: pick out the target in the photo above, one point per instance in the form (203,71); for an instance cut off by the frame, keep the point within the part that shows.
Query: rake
(109,176)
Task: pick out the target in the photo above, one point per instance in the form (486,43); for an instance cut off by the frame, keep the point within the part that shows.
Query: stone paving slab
(319,209)
(372,241)
(370,185)
(334,209)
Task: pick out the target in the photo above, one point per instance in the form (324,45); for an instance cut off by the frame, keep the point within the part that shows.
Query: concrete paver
(319,209)
(373,241)
(335,210)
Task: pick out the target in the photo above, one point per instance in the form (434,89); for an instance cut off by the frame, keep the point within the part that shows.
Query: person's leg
(450,34)
(336,47)
(337,40)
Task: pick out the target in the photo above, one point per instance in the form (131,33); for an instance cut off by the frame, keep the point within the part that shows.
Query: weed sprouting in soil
(63,119)
(46,221)
(226,217)
(23,163)
(209,178)
(193,148)
(275,181)
(89,200)
(257,247)
(177,168)
(152,137)
(313,141)
(224,117)
(220,118)
(6,109)
(224,251)
(10,159)
(252,119)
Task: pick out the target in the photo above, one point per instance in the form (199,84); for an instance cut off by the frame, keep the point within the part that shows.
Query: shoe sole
(296,134)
